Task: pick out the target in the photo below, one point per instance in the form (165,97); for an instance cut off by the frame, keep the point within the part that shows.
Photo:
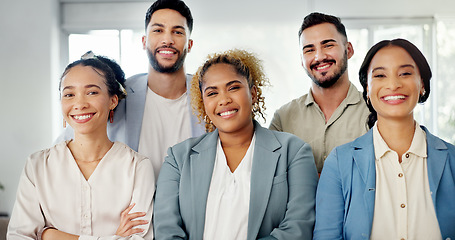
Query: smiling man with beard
(333,112)
(156,113)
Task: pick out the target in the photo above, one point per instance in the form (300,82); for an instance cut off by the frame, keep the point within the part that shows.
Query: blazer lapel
(135,104)
(364,159)
(263,170)
(201,164)
(436,160)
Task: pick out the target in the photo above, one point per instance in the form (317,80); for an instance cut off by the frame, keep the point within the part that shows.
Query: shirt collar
(353,96)
(418,145)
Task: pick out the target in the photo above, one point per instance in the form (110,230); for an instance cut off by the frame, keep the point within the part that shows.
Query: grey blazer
(128,115)
(282,197)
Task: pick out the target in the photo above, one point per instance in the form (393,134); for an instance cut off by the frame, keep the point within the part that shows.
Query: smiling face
(167,41)
(85,100)
(228,99)
(325,54)
(394,84)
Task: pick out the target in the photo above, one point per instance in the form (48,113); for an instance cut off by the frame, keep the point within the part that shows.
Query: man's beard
(330,81)
(163,69)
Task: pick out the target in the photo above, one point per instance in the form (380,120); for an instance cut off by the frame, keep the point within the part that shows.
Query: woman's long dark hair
(417,56)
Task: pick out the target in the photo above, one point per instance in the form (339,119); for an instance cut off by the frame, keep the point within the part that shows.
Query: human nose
(167,38)
(319,54)
(80,103)
(224,99)
(394,83)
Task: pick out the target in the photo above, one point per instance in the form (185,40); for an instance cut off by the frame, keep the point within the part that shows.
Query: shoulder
(121,149)
(435,142)
(136,79)
(41,158)
(184,149)
(294,104)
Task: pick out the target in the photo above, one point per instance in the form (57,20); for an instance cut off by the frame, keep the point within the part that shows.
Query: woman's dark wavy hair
(105,67)
(417,56)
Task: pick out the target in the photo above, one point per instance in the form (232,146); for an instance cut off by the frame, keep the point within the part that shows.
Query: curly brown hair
(246,64)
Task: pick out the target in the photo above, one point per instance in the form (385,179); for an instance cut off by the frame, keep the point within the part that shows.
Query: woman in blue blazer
(398,180)
(240,180)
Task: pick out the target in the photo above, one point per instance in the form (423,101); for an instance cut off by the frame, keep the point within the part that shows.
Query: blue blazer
(128,115)
(346,192)
(282,195)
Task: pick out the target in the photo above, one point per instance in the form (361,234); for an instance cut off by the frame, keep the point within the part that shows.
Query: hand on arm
(127,222)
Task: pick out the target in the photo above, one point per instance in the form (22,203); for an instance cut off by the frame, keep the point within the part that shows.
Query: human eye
(67,95)
(308,50)
(211,93)
(179,32)
(329,45)
(92,92)
(234,87)
(156,30)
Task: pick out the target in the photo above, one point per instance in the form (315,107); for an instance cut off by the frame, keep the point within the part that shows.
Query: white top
(403,206)
(228,201)
(54,193)
(165,123)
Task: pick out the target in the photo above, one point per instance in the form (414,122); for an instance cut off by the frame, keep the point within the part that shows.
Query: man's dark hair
(316,18)
(176,5)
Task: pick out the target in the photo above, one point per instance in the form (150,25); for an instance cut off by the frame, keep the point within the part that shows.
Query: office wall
(28,67)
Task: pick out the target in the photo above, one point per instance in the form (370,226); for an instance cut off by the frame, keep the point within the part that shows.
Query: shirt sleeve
(275,124)
(26,221)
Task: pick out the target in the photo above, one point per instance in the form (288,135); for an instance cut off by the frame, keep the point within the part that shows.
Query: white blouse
(53,192)
(228,201)
(403,206)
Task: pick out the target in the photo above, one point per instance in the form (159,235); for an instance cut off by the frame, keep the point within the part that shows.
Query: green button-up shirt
(304,118)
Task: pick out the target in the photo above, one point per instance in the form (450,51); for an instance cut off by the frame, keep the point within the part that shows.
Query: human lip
(167,51)
(322,66)
(81,118)
(394,99)
(227,113)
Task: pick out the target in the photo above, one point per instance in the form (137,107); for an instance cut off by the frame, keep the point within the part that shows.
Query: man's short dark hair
(316,18)
(176,5)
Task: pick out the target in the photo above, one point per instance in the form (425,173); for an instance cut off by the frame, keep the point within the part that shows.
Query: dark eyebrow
(407,65)
(174,27)
(328,41)
(378,68)
(86,86)
(308,46)
(67,87)
(92,85)
(322,43)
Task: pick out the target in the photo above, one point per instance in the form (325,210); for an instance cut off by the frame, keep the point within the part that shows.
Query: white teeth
(227,113)
(396,97)
(167,52)
(82,117)
(323,67)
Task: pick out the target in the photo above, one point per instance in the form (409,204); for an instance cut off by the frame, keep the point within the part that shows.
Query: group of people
(224,176)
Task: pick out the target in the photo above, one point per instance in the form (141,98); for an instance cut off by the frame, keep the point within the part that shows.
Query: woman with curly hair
(239,180)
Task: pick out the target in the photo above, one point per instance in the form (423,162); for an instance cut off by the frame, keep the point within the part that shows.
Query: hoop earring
(64,123)
(111,116)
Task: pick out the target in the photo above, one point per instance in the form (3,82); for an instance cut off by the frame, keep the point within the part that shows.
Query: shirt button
(400,174)
(407,155)
(403,205)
